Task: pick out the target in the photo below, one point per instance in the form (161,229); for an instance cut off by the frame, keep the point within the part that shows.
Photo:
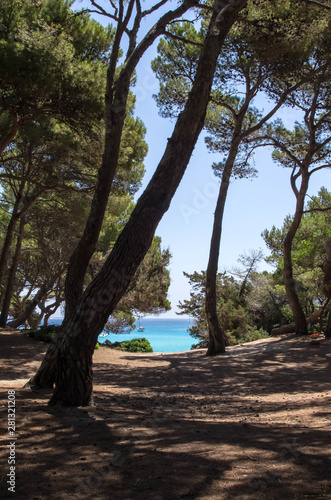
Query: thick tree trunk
(12,276)
(292,297)
(217,337)
(74,376)
(16,215)
(115,109)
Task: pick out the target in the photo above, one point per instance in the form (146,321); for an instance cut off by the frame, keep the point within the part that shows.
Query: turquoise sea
(164,334)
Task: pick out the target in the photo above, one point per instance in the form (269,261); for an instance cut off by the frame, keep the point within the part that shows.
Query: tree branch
(319,168)
(154,8)
(224,105)
(319,4)
(181,39)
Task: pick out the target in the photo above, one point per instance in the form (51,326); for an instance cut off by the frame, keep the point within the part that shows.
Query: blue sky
(252,205)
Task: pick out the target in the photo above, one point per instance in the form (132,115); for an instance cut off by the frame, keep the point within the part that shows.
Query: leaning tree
(75,348)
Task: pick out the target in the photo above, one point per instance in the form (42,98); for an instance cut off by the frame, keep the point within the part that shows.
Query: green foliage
(267,302)
(44,333)
(234,317)
(135,345)
(293,28)
(308,250)
(59,161)
(249,335)
(175,67)
(51,62)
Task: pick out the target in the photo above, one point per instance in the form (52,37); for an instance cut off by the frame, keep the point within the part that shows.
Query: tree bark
(11,134)
(11,276)
(292,297)
(46,374)
(217,336)
(115,112)
(74,374)
(327,282)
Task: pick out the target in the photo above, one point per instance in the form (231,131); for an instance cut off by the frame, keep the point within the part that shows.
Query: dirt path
(253,424)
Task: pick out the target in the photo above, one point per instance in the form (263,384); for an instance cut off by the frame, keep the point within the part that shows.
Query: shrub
(238,337)
(44,333)
(136,345)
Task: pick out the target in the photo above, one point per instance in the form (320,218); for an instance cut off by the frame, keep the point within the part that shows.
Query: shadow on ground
(253,424)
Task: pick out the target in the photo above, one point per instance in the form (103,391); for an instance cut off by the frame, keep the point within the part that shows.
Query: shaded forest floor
(252,424)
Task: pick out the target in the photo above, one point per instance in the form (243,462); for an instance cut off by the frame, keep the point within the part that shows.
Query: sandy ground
(252,424)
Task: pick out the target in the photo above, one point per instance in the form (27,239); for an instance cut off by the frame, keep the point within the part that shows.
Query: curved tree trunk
(114,119)
(74,375)
(24,316)
(292,297)
(115,112)
(310,320)
(217,337)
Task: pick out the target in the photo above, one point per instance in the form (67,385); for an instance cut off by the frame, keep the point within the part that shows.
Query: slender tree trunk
(16,216)
(24,316)
(217,337)
(12,276)
(74,374)
(327,283)
(292,297)
(115,112)
(10,235)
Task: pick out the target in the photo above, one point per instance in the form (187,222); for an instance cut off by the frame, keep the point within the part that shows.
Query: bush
(47,334)
(135,345)
(237,337)
(44,333)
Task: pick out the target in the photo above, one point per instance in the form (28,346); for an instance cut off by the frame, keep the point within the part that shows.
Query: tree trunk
(291,328)
(24,316)
(46,374)
(12,276)
(9,235)
(74,375)
(11,134)
(217,337)
(115,112)
(292,297)
(328,326)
